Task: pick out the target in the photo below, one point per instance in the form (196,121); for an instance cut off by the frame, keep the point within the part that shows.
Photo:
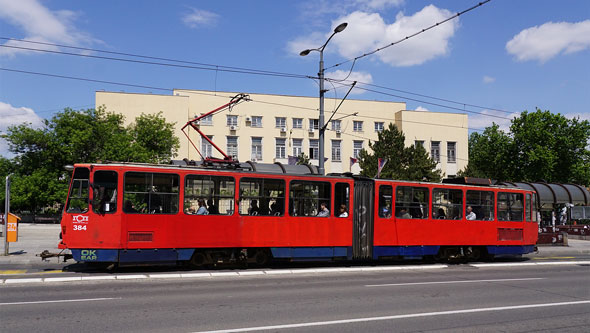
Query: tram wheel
(198,260)
(261,258)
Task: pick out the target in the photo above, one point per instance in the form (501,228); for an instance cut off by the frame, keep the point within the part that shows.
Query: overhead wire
(412,35)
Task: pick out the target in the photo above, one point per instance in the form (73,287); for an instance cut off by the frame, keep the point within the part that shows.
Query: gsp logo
(80,219)
(86,255)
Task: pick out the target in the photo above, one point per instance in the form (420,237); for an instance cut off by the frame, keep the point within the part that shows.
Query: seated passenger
(440,214)
(274,209)
(202,209)
(254,209)
(470,215)
(385,211)
(191,210)
(343,211)
(129,208)
(403,214)
(211,207)
(324,211)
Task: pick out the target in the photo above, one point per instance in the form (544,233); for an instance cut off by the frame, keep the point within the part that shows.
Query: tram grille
(141,236)
(508,234)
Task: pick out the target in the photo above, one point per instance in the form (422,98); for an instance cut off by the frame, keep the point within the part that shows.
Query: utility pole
(6,210)
(322,129)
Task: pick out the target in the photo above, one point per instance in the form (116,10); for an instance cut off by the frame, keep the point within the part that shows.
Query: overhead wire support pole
(6,210)
(338,107)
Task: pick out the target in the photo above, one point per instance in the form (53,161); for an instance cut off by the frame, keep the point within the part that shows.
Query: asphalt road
(458,298)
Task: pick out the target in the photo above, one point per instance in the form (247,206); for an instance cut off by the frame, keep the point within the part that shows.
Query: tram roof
(553,193)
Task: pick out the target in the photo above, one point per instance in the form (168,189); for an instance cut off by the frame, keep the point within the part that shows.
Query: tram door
(362,234)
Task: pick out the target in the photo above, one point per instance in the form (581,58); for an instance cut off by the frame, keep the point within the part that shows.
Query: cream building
(270,128)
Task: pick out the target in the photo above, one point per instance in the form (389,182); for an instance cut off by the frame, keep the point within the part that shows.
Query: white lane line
(164,276)
(64,301)
(30,280)
(63,279)
(449,282)
(98,278)
(404,316)
(547,263)
(131,276)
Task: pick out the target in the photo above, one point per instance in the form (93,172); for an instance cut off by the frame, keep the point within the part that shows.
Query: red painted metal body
(120,230)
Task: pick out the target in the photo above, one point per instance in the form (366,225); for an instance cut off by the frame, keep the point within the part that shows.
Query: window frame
(510,205)
(268,198)
(379,126)
(382,200)
(412,206)
(280,122)
(81,181)
(318,200)
(231,120)
(451,154)
(150,192)
(256,121)
(96,194)
(297,122)
(460,209)
(208,196)
(337,151)
(357,125)
(281,148)
(481,203)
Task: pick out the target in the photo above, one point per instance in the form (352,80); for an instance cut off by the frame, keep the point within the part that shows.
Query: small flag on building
(380,164)
(353,161)
(292,160)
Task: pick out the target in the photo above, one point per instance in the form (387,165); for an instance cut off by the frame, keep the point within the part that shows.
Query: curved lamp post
(339,28)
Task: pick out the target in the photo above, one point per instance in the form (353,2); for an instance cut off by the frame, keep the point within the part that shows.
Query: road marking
(403,316)
(449,282)
(514,264)
(547,258)
(52,271)
(63,301)
(63,279)
(30,280)
(13,271)
(131,276)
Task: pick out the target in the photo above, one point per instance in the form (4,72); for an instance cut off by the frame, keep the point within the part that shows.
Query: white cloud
(11,115)
(544,42)
(581,115)
(198,18)
(42,25)
(367,31)
(421,108)
(488,79)
(487,117)
(363,77)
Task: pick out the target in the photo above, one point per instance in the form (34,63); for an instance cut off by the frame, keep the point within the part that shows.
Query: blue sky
(508,55)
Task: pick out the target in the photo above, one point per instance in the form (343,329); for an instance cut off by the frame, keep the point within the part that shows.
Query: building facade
(270,128)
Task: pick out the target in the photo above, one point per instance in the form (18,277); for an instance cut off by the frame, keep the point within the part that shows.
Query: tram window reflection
(262,197)
(510,206)
(447,204)
(150,193)
(78,198)
(411,202)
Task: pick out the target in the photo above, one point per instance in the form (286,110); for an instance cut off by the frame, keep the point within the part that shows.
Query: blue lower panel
(100,255)
(309,252)
(511,249)
(404,251)
(143,255)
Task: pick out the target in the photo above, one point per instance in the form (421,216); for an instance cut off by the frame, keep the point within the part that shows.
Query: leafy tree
(541,146)
(92,135)
(408,163)
(302,159)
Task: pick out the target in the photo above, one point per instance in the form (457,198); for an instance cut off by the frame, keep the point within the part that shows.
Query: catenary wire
(201,93)
(412,35)
(145,56)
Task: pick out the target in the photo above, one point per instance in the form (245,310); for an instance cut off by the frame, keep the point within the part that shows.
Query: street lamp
(339,28)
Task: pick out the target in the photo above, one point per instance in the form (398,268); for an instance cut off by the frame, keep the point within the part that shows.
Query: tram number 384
(79,227)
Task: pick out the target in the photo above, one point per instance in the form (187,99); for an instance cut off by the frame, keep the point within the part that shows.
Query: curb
(161,276)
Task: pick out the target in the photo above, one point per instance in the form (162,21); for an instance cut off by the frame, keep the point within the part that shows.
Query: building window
(297,147)
(256,121)
(314,124)
(232,120)
(314,149)
(379,126)
(232,146)
(297,122)
(206,147)
(336,156)
(356,148)
(435,151)
(280,122)
(208,121)
(357,126)
(280,148)
(336,125)
(451,152)
(419,143)
(256,149)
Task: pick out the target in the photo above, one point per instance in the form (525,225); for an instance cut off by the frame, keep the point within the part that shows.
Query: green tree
(541,146)
(408,163)
(69,137)
(302,159)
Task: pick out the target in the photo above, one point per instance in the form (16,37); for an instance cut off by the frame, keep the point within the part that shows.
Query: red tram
(139,213)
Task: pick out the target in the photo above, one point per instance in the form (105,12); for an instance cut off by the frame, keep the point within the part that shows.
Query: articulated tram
(255,213)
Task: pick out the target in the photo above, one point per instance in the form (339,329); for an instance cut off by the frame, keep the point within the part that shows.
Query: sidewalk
(32,240)
(575,246)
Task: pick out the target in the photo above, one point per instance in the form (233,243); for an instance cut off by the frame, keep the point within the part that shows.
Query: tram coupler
(46,255)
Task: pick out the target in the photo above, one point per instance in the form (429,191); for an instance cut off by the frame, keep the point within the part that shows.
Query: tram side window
(482,204)
(447,204)
(385,198)
(411,202)
(306,197)
(535,212)
(262,197)
(216,192)
(529,208)
(341,200)
(78,198)
(510,206)
(104,192)
(150,193)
